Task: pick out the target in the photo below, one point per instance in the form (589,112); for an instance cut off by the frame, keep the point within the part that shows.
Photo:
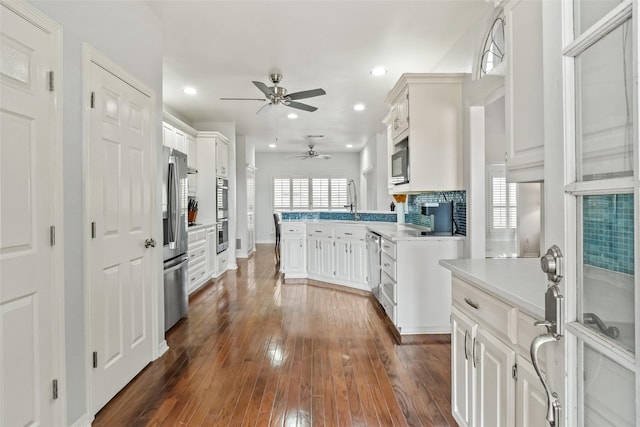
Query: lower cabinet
(199,254)
(493,383)
(292,250)
(211,250)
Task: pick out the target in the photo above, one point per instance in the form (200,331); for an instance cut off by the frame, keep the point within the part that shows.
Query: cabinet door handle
(348,234)
(472,303)
(466,335)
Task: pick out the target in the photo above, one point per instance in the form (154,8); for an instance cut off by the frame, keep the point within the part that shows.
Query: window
(503,209)
(338,193)
(492,57)
(320,191)
(310,193)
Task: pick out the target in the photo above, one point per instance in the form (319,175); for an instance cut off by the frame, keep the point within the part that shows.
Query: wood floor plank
(255,351)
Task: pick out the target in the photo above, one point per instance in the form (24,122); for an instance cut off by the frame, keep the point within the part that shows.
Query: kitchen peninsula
(413,290)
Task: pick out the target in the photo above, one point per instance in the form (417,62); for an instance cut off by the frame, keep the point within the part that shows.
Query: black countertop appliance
(443,216)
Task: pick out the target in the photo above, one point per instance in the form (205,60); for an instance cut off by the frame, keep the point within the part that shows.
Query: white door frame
(91,55)
(37,18)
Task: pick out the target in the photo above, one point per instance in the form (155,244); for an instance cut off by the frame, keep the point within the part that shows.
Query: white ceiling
(219,47)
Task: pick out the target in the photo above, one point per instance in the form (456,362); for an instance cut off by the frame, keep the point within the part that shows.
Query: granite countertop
(401,232)
(519,281)
(389,230)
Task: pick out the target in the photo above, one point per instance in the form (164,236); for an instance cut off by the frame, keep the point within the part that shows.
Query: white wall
(272,165)
(495,132)
(245,156)
(128,33)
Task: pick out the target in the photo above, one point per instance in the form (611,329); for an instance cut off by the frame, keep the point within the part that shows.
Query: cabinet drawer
(316,230)
(356,232)
(388,247)
(388,286)
(197,252)
(388,265)
(197,273)
(492,313)
(292,228)
(389,308)
(222,261)
(194,236)
(527,331)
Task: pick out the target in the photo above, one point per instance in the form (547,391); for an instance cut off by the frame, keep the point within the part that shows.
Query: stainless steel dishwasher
(373,257)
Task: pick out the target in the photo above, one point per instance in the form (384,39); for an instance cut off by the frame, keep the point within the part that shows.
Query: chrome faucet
(352,198)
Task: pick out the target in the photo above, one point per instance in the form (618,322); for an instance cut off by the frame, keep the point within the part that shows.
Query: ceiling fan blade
(264,108)
(301,106)
(324,156)
(306,94)
(299,156)
(264,89)
(243,99)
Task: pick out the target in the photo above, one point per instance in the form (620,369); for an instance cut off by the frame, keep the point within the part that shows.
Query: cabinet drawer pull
(466,335)
(472,303)
(349,234)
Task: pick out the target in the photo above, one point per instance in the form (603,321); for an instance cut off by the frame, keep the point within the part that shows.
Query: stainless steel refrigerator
(175,186)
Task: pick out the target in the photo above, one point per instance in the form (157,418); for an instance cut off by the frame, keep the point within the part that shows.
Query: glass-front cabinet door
(601,137)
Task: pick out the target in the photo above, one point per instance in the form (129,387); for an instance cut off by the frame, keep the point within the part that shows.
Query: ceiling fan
(278,95)
(311,154)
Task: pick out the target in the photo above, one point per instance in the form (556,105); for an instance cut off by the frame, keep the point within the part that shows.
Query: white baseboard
(162,349)
(83,421)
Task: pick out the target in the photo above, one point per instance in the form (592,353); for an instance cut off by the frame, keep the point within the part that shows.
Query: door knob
(149,243)
(552,264)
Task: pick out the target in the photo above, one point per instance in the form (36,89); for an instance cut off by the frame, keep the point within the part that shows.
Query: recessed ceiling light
(378,71)
(349,145)
(292,116)
(190,90)
(272,145)
(358,107)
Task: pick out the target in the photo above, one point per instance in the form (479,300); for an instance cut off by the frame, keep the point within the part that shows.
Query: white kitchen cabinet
(351,261)
(531,400)
(493,382)
(222,261)
(524,100)
(176,134)
(206,143)
(494,385)
(198,258)
(400,116)
(427,109)
(191,151)
(462,371)
(320,257)
(292,250)
(222,158)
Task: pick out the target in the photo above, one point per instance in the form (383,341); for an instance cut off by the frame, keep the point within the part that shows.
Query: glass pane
(586,13)
(493,51)
(607,279)
(604,107)
(608,391)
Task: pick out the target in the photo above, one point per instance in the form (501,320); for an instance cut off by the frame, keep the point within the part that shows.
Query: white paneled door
(30,263)
(119,193)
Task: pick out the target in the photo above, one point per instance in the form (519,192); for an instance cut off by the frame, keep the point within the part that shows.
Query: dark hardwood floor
(256,352)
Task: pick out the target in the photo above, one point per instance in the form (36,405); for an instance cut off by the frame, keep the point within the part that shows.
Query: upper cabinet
(176,134)
(222,157)
(524,91)
(191,152)
(400,115)
(425,122)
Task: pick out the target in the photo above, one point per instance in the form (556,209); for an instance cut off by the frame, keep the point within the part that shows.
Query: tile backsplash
(609,232)
(459,199)
(337,216)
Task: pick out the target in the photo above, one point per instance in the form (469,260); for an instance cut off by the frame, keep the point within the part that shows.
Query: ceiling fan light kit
(278,95)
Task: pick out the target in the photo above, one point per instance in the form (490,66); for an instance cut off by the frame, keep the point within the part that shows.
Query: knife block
(191,216)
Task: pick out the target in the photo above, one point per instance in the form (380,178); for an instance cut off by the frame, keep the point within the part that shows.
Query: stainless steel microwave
(400,166)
